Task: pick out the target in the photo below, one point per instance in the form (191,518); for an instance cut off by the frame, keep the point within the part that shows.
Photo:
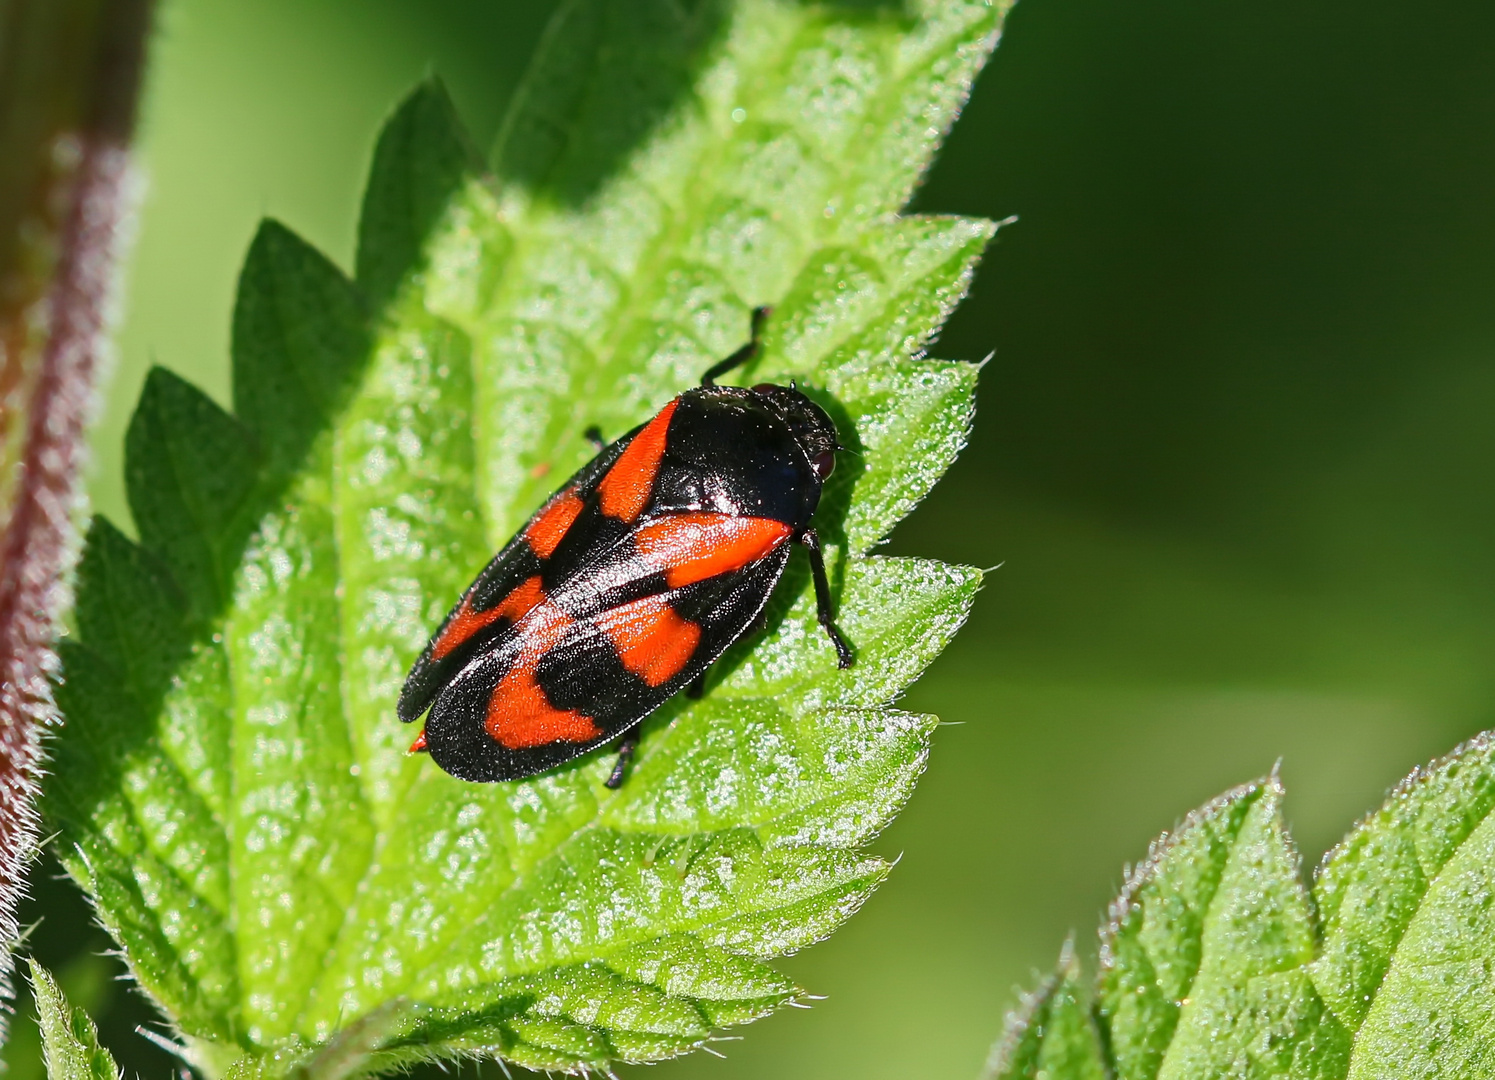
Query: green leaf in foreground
(294,890)
(69,1040)
(1217,962)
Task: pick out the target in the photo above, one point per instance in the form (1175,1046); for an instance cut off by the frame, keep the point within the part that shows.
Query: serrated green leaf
(1052,1035)
(1238,974)
(1215,962)
(299,343)
(154,858)
(131,612)
(1407,901)
(69,1040)
(423,161)
(297,892)
(194,518)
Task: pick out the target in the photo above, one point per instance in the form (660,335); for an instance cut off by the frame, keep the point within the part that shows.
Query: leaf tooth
(645,1047)
(422,160)
(713,769)
(900,278)
(1404,869)
(586,102)
(544,1043)
(189,470)
(604,888)
(780,931)
(1151,946)
(871,791)
(171,818)
(837,292)
(70,1042)
(801,775)
(130,611)
(1430,1013)
(915,419)
(299,343)
(600,998)
(898,613)
(683,966)
(937,63)
(1227,932)
(1052,1033)
(171,976)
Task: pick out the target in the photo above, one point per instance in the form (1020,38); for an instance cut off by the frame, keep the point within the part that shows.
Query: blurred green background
(1234,452)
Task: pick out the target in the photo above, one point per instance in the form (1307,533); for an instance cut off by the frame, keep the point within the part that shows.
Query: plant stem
(70,75)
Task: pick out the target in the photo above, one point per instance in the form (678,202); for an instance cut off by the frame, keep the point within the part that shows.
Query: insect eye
(823,463)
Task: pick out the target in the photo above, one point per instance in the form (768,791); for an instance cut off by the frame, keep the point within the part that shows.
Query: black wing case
(596,678)
(476,619)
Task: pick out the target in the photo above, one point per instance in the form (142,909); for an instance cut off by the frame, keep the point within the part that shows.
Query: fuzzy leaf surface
(70,1042)
(295,890)
(1052,1034)
(1215,962)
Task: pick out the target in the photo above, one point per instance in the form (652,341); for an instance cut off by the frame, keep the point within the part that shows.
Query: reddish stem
(70,73)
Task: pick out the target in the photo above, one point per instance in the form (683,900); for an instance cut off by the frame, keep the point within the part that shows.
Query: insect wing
(507,588)
(558,686)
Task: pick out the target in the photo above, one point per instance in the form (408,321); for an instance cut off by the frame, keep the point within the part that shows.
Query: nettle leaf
(70,1042)
(297,892)
(1217,962)
(1052,1034)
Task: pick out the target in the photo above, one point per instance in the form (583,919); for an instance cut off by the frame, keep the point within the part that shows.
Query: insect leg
(811,540)
(626,746)
(593,435)
(742,355)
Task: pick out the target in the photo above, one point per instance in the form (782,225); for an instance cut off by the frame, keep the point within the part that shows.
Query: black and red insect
(629,582)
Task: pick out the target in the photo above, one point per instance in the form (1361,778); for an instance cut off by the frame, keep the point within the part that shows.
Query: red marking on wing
(519,714)
(468,622)
(545,532)
(419,745)
(694,547)
(625,489)
(652,640)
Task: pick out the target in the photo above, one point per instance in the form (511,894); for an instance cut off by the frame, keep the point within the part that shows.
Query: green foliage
(1053,1035)
(1217,962)
(69,1040)
(296,892)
